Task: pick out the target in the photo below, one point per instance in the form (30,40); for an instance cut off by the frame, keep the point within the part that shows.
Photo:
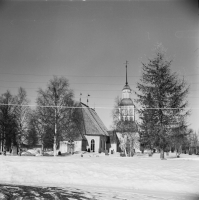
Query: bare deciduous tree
(8,125)
(56,102)
(22,111)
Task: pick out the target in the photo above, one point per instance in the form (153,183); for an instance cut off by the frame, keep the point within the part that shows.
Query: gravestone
(14,151)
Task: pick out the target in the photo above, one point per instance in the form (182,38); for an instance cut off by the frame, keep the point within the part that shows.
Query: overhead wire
(70,75)
(48,106)
(91,83)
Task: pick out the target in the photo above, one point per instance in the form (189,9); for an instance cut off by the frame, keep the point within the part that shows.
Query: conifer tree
(162,96)
(147,128)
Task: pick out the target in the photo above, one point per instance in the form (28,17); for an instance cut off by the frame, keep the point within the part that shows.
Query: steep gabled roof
(92,123)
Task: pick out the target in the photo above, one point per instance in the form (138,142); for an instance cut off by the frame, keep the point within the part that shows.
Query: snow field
(140,173)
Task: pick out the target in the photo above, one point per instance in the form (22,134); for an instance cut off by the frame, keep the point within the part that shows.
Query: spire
(126,72)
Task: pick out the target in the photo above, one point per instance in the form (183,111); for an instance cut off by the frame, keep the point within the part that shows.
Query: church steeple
(126,73)
(126,90)
(126,108)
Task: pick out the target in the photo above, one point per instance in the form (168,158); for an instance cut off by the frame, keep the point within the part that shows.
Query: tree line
(161,104)
(55,117)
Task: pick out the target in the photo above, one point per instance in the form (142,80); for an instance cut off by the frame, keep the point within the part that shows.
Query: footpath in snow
(111,174)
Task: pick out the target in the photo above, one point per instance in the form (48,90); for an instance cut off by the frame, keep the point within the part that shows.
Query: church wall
(97,142)
(103,145)
(84,145)
(100,144)
(65,147)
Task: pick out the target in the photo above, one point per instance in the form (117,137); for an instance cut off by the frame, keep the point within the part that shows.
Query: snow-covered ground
(109,174)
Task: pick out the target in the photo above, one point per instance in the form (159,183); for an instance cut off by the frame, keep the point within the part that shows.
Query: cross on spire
(126,71)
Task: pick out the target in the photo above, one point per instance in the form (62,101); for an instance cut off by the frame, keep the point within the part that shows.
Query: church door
(92,145)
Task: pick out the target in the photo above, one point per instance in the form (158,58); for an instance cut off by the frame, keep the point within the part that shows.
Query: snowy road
(105,177)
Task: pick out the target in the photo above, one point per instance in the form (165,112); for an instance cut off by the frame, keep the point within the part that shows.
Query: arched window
(92,145)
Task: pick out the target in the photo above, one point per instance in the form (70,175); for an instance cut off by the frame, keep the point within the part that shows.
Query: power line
(72,89)
(76,83)
(108,76)
(69,83)
(90,107)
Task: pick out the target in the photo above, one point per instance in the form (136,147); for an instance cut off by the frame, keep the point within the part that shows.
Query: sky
(88,42)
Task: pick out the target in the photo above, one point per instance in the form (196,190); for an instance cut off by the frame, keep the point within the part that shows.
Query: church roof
(126,102)
(92,123)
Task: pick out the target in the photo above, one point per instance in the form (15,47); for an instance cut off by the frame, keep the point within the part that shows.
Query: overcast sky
(88,42)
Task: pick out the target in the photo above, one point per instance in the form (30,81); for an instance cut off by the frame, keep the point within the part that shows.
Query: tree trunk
(179,151)
(55,135)
(11,148)
(54,145)
(4,147)
(42,148)
(189,150)
(162,154)
(125,152)
(20,149)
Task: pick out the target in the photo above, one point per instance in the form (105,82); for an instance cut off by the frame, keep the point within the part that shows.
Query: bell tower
(126,108)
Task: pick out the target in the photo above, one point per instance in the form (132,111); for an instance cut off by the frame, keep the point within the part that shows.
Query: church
(94,136)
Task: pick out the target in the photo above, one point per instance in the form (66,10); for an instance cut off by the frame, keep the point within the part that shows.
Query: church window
(92,145)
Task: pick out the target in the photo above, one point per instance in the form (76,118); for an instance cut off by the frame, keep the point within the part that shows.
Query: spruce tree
(162,96)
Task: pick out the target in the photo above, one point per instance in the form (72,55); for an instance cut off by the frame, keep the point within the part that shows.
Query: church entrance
(92,145)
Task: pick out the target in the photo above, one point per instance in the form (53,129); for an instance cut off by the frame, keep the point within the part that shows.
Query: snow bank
(142,173)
